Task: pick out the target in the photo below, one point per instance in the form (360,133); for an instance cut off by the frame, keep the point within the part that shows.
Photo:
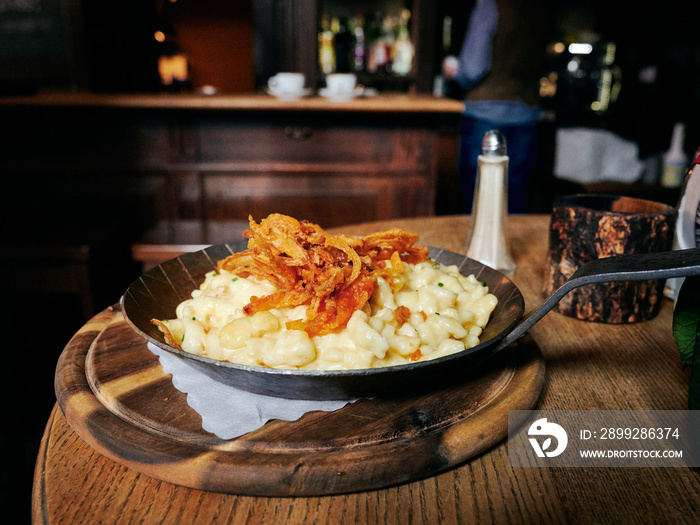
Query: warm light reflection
(159,36)
(610,50)
(580,49)
(173,69)
(603,102)
(559,47)
(548,85)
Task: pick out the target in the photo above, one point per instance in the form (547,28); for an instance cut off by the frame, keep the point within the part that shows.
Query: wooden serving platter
(116,396)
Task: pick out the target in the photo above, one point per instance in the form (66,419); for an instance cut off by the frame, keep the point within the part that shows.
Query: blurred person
(499,66)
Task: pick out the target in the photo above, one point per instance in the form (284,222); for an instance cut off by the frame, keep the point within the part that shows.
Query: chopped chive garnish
(440,285)
(234,279)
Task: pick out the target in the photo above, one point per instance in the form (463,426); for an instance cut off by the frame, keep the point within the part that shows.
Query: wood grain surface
(589,366)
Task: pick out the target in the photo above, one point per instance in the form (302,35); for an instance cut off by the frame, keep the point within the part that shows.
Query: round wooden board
(116,396)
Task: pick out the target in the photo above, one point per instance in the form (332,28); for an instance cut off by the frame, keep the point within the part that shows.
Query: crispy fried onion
(333,275)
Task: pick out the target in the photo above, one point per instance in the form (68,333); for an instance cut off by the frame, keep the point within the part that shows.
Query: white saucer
(285,95)
(324,92)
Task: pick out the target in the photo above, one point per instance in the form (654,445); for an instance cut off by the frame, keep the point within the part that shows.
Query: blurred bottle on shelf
(675,160)
(375,43)
(444,84)
(373,35)
(385,47)
(440,80)
(359,58)
(402,56)
(326,47)
(380,44)
(344,48)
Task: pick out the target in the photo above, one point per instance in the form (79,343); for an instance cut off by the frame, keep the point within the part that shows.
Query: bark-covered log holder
(587,227)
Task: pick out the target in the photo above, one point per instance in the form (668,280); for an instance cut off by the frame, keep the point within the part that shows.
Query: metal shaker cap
(493,144)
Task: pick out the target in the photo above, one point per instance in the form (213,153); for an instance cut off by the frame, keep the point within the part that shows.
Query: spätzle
(430,311)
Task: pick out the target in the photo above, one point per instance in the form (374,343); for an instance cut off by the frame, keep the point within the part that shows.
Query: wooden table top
(588,367)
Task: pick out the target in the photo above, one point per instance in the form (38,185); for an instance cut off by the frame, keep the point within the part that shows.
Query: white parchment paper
(229,412)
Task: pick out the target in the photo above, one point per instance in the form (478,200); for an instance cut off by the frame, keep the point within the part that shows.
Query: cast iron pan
(158,291)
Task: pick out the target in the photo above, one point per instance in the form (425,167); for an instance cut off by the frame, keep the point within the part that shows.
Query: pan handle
(635,267)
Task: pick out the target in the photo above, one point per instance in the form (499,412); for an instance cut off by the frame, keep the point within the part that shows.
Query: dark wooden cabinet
(332,168)
(151,158)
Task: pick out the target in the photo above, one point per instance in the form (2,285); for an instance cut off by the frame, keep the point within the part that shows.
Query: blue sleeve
(475,56)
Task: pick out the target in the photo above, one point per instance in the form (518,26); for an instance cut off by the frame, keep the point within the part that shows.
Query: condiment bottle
(675,159)
(487,242)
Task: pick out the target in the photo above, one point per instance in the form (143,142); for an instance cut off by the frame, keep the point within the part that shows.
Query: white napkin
(229,412)
(584,155)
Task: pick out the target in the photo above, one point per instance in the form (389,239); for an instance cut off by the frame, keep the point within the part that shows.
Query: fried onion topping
(333,275)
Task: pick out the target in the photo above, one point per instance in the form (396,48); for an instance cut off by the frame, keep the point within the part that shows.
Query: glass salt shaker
(487,242)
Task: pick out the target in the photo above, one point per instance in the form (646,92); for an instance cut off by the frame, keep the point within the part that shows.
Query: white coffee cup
(341,84)
(287,83)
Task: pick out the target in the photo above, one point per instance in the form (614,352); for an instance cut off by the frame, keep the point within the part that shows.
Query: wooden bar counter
(383,103)
(221,157)
(587,366)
